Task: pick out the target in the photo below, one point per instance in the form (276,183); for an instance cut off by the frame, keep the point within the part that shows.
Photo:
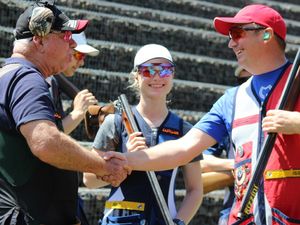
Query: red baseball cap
(259,14)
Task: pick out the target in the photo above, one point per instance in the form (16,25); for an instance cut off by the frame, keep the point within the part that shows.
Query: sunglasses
(149,70)
(67,35)
(78,55)
(236,33)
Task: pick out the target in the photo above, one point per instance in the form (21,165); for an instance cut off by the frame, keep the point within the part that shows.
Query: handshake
(115,168)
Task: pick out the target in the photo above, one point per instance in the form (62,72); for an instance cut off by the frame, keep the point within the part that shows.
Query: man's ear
(38,43)
(268,34)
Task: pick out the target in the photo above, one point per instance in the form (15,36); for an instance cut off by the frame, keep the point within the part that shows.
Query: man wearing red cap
(246,113)
(38,163)
(257,36)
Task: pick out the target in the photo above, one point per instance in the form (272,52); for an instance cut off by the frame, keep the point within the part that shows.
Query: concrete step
(209,9)
(287,1)
(289,9)
(139,12)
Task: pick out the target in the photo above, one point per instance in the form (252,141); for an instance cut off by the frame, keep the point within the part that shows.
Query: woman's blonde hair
(133,82)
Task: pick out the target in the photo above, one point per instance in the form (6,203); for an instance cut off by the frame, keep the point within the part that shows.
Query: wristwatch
(178,221)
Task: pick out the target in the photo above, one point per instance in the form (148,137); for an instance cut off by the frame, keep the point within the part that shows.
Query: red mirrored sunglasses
(236,33)
(148,70)
(78,55)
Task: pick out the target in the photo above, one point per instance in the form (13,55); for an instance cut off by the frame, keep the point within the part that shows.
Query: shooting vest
(277,201)
(135,192)
(47,194)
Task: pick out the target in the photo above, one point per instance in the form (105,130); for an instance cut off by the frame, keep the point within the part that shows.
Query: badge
(240,151)
(242,175)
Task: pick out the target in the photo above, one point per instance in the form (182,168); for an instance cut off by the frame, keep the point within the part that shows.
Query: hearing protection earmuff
(41,19)
(266,36)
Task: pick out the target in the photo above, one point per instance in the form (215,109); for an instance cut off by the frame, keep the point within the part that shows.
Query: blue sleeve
(30,100)
(217,122)
(218,149)
(215,150)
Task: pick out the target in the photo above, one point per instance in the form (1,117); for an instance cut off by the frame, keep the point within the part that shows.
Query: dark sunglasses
(236,33)
(149,70)
(78,55)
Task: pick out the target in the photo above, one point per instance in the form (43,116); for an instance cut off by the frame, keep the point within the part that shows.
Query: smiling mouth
(238,52)
(156,85)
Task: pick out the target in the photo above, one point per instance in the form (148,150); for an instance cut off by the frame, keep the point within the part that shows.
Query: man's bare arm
(55,148)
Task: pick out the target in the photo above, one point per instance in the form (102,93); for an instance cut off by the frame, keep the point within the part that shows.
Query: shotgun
(287,102)
(131,126)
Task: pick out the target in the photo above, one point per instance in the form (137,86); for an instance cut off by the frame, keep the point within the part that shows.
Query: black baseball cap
(43,16)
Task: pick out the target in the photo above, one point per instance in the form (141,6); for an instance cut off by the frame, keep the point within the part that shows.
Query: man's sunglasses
(67,35)
(148,70)
(236,33)
(78,55)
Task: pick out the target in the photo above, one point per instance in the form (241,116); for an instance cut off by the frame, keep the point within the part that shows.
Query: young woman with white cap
(152,79)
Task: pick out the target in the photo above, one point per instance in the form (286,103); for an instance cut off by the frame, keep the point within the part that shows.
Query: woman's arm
(194,192)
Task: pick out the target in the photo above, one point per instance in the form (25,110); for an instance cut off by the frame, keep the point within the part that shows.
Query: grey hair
(22,46)
(23,41)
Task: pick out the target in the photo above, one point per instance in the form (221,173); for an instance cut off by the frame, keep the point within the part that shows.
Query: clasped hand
(135,143)
(281,121)
(116,168)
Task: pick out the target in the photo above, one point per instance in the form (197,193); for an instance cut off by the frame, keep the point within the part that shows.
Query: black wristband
(178,221)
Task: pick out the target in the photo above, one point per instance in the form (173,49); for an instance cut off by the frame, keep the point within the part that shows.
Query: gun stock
(67,86)
(131,126)
(216,180)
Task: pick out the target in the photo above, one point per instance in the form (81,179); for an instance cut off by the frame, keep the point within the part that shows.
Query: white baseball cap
(82,45)
(151,51)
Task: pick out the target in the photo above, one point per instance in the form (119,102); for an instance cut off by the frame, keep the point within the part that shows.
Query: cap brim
(87,49)
(223,24)
(144,61)
(75,26)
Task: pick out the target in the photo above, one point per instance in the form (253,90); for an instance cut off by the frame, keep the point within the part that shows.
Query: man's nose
(231,43)
(72,43)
